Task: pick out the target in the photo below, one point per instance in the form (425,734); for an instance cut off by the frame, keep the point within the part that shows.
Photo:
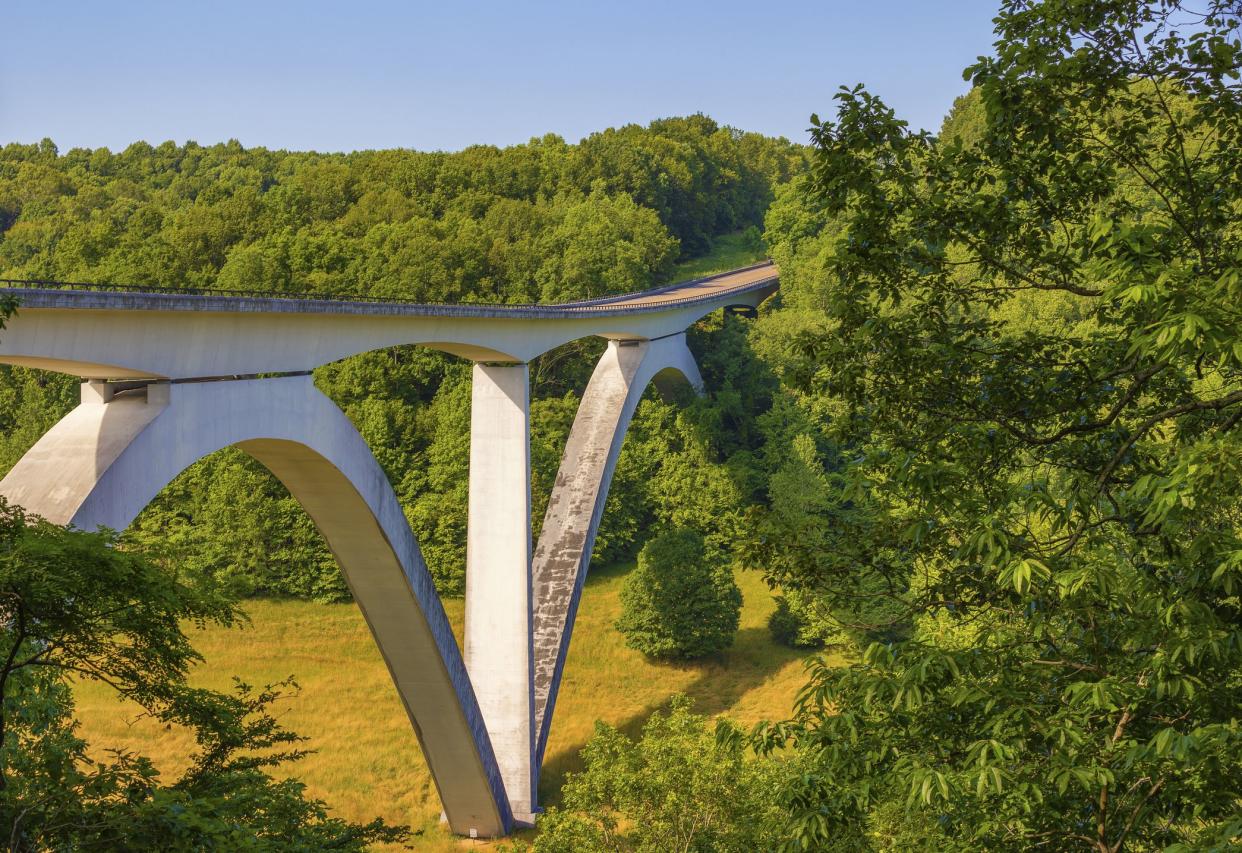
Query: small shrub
(790,627)
(683,784)
(752,239)
(678,603)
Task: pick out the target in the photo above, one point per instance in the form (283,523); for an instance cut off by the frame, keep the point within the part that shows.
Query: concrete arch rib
(106,460)
(563,554)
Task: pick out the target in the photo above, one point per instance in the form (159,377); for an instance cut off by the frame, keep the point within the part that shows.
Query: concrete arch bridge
(172,376)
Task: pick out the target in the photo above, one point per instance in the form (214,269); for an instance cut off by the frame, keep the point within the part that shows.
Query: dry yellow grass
(368,762)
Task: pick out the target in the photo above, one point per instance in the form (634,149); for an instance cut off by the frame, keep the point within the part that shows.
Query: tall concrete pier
(170,377)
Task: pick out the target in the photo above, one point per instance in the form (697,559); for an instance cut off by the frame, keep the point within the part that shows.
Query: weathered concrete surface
(498,593)
(105,461)
(111,335)
(576,504)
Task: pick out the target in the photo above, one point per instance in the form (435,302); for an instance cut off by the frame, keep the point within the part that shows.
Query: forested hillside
(541,222)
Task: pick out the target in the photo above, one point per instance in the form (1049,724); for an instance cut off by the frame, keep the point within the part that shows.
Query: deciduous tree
(678,602)
(679,787)
(73,606)
(1032,345)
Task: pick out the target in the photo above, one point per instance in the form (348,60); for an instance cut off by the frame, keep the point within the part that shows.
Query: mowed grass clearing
(368,762)
(729,251)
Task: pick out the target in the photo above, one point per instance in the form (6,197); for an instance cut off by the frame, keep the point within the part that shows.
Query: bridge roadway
(173,376)
(130,333)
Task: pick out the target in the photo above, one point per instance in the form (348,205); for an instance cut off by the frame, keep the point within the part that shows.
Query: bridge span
(102,332)
(172,376)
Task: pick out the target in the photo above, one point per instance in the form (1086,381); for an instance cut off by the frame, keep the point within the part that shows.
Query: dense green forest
(541,222)
(987,440)
(1019,345)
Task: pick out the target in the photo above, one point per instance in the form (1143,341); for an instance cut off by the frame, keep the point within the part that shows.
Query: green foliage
(1024,336)
(678,603)
(796,534)
(227,521)
(790,626)
(701,178)
(438,510)
(60,798)
(679,787)
(541,220)
(728,252)
(966,123)
(75,606)
(77,603)
(603,244)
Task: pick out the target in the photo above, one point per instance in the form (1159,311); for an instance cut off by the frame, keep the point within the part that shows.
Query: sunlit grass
(729,251)
(368,762)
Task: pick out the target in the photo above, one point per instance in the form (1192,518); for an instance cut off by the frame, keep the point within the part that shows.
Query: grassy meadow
(729,251)
(367,761)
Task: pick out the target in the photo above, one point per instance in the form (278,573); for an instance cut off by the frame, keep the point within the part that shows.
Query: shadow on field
(720,682)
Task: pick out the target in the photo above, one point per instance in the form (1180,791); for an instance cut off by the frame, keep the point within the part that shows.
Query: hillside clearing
(729,252)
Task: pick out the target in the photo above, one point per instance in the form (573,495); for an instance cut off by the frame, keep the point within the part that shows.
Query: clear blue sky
(338,76)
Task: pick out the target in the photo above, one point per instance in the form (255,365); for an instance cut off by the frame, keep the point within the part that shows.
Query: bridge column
(498,631)
(580,493)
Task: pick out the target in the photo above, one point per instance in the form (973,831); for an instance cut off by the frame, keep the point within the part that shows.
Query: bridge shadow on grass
(754,679)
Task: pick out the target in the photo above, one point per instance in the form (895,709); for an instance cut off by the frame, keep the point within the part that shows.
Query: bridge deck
(49,294)
(120,332)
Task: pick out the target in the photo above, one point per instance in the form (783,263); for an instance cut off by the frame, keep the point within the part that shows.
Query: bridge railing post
(498,630)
